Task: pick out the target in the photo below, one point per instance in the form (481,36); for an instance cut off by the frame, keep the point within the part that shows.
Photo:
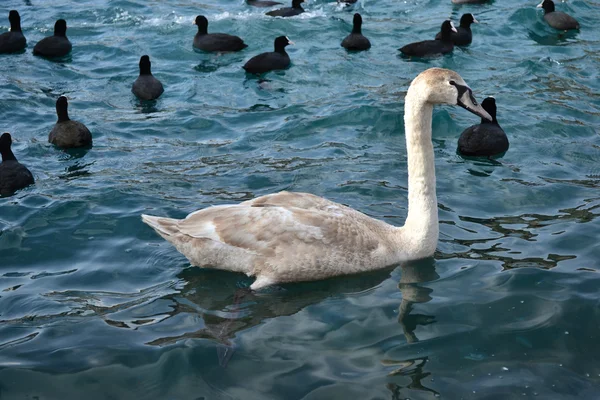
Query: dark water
(94,305)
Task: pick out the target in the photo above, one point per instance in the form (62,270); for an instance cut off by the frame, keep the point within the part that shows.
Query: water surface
(94,303)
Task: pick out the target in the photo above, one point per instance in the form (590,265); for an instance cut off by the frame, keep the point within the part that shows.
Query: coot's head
(60,28)
(62,109)
(296,3)
(467,19)
(489,105)
(281,42)
(15,20)
(447,29)
(145,65)
(202,23)
(547,5)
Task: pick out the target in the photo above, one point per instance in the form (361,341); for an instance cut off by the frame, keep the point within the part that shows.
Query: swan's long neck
(420,231)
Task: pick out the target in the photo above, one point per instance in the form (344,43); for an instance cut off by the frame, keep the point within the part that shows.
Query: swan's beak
(468,102)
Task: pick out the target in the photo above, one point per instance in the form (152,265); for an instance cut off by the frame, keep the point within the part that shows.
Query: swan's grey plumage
(290,237)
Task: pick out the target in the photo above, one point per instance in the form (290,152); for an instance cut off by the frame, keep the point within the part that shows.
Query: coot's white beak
(474,20)
(289,41)
(453,28)
(540,5)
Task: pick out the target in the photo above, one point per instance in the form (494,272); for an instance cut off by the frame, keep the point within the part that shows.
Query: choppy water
(93,303)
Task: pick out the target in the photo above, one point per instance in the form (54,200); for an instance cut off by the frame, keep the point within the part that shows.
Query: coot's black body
(557,19)
(13,174)
(355,40)
(295,9)
(486,138)
(463,35)
(67,133)
(146,86)
(428,48)
(274,60)
(262,3)
(14,40)
(215,41)
(57,45)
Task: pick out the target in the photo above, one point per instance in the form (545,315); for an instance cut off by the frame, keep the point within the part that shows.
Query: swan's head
(443,86)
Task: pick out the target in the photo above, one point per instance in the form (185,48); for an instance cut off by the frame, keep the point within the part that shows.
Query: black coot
(67,133)
(356,40)
(54,46)
(13,40)
(432,47)
(270,61)
(463,36)
(215,41)
(557,19)
(262,3)
(486,138)
(13,174)
(146,86)
(295,9)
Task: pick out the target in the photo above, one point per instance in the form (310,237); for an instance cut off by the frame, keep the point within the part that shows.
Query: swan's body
(290,237)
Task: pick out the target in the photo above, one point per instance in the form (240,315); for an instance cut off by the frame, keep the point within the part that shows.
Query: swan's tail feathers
(165,227)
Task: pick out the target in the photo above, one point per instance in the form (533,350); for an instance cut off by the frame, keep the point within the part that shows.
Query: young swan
(290,237)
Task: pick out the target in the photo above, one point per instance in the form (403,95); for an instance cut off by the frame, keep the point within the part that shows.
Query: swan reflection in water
(413,273)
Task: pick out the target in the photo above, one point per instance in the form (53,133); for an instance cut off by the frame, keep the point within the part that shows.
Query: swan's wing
(305,201)
(286,235)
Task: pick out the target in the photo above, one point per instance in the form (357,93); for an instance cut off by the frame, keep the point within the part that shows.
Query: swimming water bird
(13,40)
(262,3)
(295,9)
(67,133)
(57,45)
(432,47)
(486,138)
(215,41)
(557,19)
(291,237)
(463,35)
(270,61)
(470,1)
(13,174)
(146,86)
(356,40)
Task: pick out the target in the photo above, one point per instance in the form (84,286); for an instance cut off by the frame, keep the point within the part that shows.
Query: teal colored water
(93,304)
